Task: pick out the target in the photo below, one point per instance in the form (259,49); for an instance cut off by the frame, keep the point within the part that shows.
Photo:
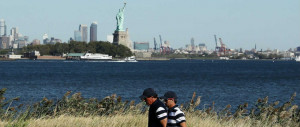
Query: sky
(270,24)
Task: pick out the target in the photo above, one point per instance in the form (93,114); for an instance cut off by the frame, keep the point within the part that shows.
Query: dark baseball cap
(148,93)
(169,94)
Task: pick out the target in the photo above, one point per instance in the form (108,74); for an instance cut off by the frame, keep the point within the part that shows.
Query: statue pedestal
(122,38)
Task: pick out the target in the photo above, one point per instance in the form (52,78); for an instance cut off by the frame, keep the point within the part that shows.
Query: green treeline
(81,47)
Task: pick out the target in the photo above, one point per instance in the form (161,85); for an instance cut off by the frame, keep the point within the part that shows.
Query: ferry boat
(95,56)
(224,58)
(297,58)
(130,59)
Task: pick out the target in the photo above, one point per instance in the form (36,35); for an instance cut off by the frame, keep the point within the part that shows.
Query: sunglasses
(169,99)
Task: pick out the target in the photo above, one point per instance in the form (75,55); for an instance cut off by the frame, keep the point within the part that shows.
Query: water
(223,82)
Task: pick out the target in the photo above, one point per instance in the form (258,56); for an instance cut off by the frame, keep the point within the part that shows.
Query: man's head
(170,99)
(149,96)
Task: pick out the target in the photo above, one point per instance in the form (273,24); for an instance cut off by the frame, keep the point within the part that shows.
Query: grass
(130,120)
(76,111)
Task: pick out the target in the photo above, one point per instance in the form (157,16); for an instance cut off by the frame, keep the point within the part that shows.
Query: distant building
(55,40)
(298,49)
(84,32)
(110,38)
(35,42)
(93,32)
(77,35)
(141,54)
(4,42)
(188,47)
(2,28)
(26,38)
(15,46)
(193,44)
(45,39)
(14,32)
(141,45)
(21,43)
(166,44)
(202,47)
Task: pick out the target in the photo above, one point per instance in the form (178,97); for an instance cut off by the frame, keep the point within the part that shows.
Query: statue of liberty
(120,19)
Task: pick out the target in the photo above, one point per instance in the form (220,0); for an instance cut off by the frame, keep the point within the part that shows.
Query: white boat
(224,58)
(95,56)
(130,59)
(297,58)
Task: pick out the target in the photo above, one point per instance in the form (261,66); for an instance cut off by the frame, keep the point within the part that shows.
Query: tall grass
(74,110)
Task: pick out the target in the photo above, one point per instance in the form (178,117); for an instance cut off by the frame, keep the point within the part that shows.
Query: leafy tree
(81,47)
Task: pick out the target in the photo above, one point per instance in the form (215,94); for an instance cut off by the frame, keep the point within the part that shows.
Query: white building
(110,38)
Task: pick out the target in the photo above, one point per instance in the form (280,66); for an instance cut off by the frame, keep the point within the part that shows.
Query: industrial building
(141,45)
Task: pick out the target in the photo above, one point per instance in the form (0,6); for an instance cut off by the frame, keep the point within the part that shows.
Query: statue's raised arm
(124,7)
(120,18)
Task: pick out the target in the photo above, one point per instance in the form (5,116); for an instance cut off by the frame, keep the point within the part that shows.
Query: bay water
(220,81)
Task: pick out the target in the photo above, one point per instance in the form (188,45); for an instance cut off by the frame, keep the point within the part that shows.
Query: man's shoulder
(176,110)
(158,104)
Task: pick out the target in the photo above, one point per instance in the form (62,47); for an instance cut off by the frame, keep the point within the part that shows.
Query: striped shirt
(175,117)
(157,112)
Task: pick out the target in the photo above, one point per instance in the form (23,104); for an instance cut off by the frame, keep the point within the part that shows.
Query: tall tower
(93,32)
(2,28)
(84,32)
(14,32)
(193,44)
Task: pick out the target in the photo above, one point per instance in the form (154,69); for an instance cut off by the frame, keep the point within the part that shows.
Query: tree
(81,47)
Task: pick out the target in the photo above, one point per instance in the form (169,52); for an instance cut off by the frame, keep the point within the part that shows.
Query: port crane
(163,48)
(222,48)
(217,47)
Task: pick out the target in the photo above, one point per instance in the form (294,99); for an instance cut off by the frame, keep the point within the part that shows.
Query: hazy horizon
(240,24)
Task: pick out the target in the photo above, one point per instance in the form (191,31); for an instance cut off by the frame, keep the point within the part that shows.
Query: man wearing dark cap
(157,112)
(176,117)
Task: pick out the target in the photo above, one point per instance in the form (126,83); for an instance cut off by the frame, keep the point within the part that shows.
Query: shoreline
(148,59)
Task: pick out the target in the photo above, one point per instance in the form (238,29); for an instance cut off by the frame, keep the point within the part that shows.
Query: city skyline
(273,25)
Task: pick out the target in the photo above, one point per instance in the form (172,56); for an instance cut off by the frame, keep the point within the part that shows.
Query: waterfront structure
(141,45)
(14,56)
(142,54)
(121,37)
(77,35)
(74,56)
(2,28)
(84,32)
(93,32)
